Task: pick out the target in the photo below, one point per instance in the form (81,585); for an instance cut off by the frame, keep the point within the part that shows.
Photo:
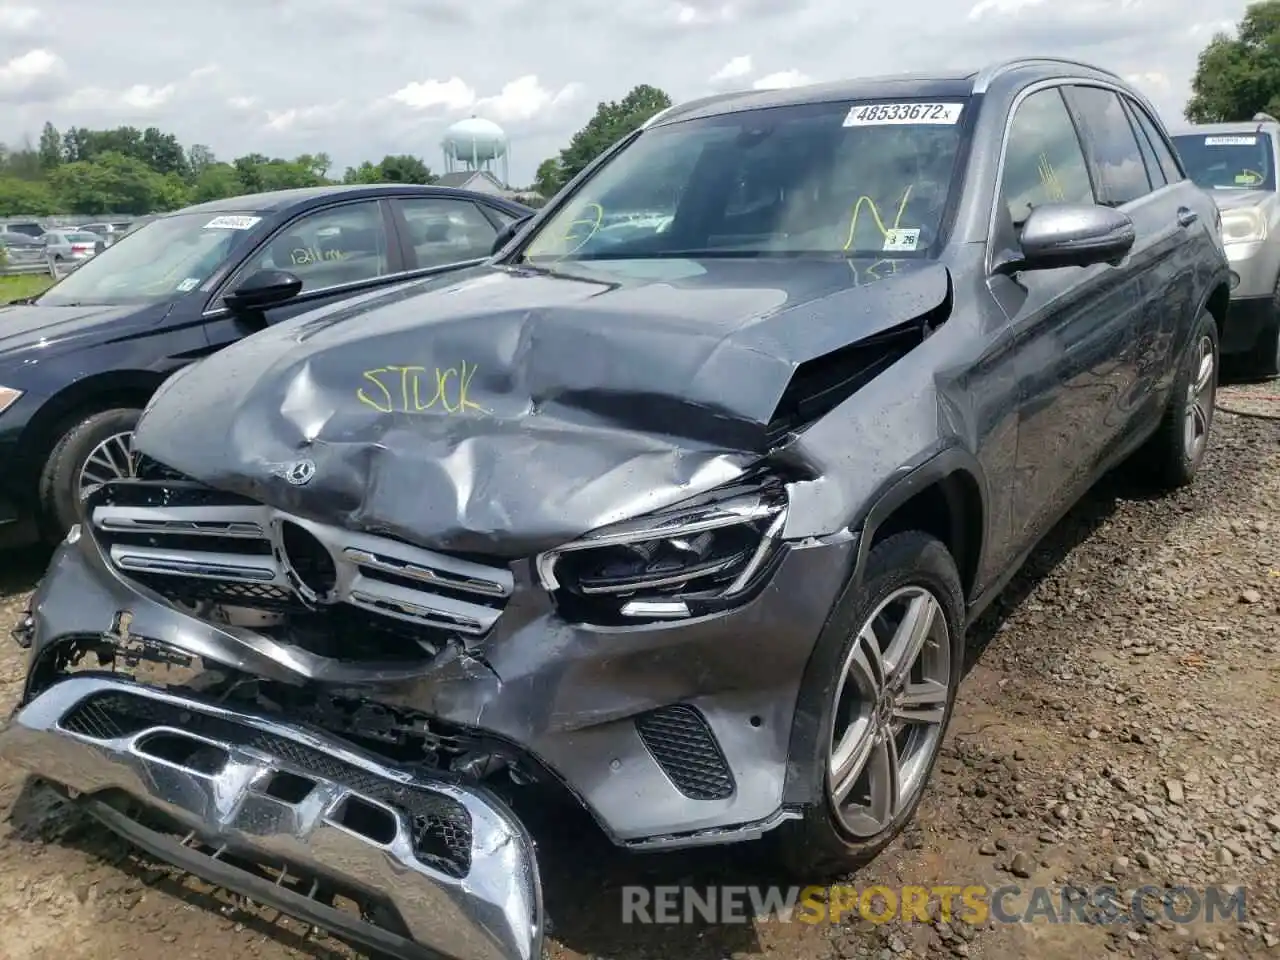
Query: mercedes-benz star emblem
(300,472)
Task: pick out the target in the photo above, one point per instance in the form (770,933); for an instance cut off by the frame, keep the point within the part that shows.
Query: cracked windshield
(828,179)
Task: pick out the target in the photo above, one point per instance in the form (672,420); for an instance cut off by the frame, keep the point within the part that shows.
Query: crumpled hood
(510,411)
(27,325)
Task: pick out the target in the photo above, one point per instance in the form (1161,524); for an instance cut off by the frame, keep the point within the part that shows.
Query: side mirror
(508,232)
(1074,235)
(266,288)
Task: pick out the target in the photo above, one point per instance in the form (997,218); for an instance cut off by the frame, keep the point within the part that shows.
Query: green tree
(216,181)
(26,198)
(110,183)
(199,159)
(1239,76)
(50,147)
(399,168)
(162,152)
(549,177)
(612,121)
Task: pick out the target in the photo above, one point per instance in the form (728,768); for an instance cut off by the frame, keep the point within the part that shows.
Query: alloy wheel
(1201,394)
(891,702)
(112,459)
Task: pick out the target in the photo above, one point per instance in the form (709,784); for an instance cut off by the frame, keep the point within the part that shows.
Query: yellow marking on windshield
(1249,178)
(447,387)
(1049,180)
(592,224)
(875,215)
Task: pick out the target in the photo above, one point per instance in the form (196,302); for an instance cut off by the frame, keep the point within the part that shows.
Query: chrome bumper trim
(491,912)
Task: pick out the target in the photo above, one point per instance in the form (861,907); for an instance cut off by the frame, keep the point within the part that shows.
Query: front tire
(900,664)
(1178,447)
(96,449)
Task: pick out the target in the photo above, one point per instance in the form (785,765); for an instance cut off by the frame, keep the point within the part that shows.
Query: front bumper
(670,734)
(289,818)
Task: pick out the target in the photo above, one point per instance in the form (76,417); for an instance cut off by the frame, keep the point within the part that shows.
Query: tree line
(133,171)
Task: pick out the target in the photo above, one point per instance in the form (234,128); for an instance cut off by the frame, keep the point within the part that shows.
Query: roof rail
(1260,118)
(987,75)
(678,108)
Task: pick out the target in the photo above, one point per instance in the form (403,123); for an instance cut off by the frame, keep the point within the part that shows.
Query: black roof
(935,84)
(277,200)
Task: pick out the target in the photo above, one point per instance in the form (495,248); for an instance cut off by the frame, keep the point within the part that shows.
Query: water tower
(476,144)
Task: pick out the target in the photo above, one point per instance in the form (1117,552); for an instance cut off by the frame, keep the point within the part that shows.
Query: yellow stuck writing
(404,389)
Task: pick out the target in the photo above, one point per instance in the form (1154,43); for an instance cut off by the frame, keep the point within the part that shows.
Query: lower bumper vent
(684,747)
(441,827)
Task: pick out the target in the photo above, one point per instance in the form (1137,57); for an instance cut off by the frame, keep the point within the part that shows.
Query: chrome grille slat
(322,566)
(238,568)
(192,521)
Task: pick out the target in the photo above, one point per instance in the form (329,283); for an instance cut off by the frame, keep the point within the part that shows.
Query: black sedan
(79,362)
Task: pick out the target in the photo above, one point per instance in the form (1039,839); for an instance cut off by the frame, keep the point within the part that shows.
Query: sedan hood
(507,411)
(27,325)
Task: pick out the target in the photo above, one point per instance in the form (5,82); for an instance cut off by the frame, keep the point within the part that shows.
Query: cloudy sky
(362,78)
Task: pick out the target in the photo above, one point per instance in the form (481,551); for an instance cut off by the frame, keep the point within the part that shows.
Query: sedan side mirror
(266,288)
(506,234)
(1074,235)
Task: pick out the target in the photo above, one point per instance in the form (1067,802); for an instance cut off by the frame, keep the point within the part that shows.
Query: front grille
(685,748)
(193,545)
(441,825)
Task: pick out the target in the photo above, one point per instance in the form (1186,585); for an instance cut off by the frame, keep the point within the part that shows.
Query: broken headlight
(696,558)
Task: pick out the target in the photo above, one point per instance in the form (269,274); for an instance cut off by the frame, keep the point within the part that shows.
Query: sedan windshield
(1228,161)
(164,259)
(847,179)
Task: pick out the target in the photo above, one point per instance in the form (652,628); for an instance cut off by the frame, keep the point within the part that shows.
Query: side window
(443,231)
(327,248)
(1110,144)
(1164,154)
(1043,162)
(504,218)
(1154,173)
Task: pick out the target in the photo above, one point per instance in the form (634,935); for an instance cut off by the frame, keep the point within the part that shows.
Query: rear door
(1130,179)
(1198,235)
(443,231)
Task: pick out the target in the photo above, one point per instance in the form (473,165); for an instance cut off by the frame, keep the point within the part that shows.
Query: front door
(1072,329)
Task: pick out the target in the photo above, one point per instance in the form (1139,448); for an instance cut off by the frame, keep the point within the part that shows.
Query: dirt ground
(1120,726)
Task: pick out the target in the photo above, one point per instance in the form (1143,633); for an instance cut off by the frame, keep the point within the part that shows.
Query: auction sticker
(885,114)
(898,240)
(233,223)
(1230,141)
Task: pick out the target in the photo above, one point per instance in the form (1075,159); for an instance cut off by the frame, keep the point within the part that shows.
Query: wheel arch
(944,497)
(84,397)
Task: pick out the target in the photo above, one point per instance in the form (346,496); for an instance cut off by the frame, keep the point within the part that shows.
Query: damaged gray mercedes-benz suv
(681,503)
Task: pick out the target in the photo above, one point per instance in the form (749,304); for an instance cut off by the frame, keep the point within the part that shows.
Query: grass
(23,285)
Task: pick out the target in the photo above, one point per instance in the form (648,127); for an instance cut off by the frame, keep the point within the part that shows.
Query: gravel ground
(1119,727)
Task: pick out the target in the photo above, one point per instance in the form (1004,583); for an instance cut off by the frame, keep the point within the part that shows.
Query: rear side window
(1164,155)
(1043,162)
(1155,174)
(1110,145)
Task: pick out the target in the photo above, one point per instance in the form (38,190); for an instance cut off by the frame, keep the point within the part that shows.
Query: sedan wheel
(891,703)
(112,459)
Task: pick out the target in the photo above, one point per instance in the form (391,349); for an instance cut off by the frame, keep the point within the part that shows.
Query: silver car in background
(71,246)
(1236,163)
(22,252)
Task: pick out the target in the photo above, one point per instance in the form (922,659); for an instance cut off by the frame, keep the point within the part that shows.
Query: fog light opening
(1234,279)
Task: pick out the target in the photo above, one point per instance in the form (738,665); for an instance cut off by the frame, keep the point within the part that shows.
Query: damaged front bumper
(290,819)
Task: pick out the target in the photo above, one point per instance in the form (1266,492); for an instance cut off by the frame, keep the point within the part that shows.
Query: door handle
(1186,217)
